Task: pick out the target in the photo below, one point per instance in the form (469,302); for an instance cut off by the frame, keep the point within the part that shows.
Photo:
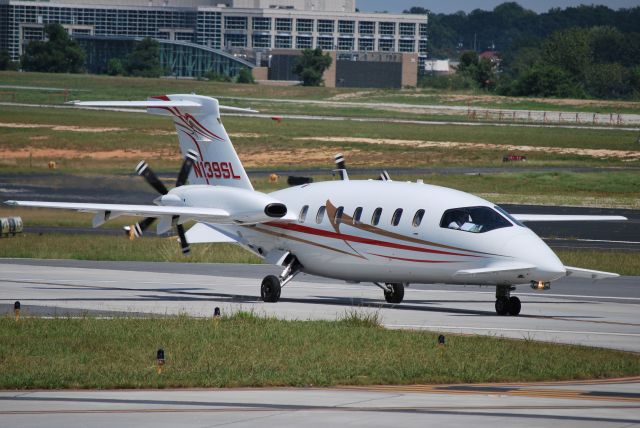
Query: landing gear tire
(502,306)
(395,293)
(513,306)
(270,289)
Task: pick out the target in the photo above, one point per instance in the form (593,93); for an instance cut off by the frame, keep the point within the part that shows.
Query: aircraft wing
(553,217)
(589,274)
(206,233)
(105,212)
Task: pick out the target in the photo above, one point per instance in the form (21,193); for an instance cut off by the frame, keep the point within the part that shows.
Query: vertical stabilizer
(200,129)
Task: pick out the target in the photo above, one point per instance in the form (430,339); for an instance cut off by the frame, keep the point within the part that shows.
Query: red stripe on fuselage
(361,240)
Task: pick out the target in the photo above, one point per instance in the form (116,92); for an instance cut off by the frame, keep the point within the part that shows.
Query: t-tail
(199,128)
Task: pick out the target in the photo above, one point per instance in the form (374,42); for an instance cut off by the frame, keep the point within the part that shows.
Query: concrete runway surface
(603,314)
(582,404)
(595,314)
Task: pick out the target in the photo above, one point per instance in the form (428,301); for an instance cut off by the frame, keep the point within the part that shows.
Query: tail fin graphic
(199,128)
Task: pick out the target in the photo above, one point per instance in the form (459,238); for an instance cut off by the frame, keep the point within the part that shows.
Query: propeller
(143,169)
(341,166)
(342,169)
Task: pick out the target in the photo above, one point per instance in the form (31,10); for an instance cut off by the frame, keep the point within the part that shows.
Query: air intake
(276,210)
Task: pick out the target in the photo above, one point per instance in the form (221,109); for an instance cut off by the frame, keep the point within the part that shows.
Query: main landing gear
(272,285)
(393,292)
(505,302)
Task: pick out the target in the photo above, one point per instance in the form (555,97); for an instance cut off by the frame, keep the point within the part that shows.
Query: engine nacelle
(244,206)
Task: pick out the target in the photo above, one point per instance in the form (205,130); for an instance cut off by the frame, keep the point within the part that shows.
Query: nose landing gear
(505,302)
(272,285)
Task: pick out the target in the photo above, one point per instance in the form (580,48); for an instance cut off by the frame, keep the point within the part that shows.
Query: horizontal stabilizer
(145,104)
(589,274)
(203,233)
(552,217)
(495,270)
(155,104)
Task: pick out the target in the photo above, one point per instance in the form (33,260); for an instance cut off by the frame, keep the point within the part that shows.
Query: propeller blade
(384,176)
(136,230)
(183,240)
(340,166)
(189,160)
(147,173)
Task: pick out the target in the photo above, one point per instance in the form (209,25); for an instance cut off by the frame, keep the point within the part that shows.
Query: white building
(220,24)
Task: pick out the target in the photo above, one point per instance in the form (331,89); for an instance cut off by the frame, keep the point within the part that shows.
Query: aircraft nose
(529,248)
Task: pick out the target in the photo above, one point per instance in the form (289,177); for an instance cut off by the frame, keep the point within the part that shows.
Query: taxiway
(602,314)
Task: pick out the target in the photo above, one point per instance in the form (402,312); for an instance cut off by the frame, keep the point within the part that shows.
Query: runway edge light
(441,341)
(16,309)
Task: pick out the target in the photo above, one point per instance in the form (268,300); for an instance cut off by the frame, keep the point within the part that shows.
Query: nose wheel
(506,304)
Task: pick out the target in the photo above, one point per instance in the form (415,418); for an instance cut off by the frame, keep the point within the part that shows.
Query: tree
(5,61)
(115,67)
(546,81)
(311,65)
(608,81)
(569,50)
(144,60)
(245,76)
(415,10)
(59,54)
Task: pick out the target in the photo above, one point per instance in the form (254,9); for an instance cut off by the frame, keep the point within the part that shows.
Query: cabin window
(320,215)
(356,215)
(417,219)
(473,219)
(303,214)
(397,215)
(338,217)
(375,218)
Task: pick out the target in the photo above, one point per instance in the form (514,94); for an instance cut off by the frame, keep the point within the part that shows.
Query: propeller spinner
(143,169)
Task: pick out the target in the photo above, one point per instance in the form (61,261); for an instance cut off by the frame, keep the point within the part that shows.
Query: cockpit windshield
(473,219)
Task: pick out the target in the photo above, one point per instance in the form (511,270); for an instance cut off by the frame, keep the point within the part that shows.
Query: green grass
(621,262)
(119,248)
(140,132)
(110,88)
(154,249)
(249,351)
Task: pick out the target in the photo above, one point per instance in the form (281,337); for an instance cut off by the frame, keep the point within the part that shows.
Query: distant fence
(532,116)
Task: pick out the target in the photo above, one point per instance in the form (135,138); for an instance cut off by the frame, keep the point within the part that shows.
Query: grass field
(107,87)
(249,351)
(154,249)
(108,142)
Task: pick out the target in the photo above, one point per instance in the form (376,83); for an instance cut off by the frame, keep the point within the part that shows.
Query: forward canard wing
(497,271)
(589,274)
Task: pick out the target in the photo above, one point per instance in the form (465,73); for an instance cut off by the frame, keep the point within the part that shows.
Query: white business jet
(381,231)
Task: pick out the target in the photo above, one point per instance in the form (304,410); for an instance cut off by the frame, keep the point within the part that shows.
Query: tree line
(584,51)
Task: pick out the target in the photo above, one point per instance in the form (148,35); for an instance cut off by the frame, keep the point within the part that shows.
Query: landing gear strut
(393,292)
(505,302)
(272,285)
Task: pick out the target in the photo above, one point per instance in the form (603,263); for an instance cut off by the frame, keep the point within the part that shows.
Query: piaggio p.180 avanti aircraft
(380,231)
